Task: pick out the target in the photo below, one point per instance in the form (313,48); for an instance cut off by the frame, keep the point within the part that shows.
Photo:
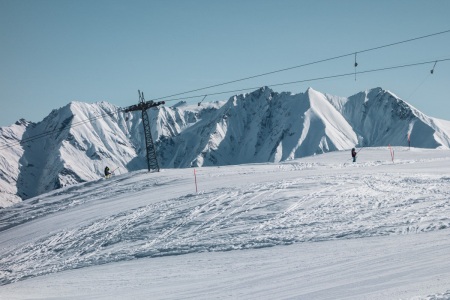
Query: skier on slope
(107,172)
(354,154)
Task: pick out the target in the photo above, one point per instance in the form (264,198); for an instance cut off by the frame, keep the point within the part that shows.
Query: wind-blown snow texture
(319,227)
(75,143)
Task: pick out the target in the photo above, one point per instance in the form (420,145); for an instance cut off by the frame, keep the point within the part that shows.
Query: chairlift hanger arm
(202,100)
(432,70)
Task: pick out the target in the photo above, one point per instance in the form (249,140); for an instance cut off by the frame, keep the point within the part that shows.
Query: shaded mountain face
(10,153)
(76,142)
(262,126)
(380,118)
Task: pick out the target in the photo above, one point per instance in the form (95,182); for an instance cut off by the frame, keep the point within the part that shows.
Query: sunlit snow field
(320,227)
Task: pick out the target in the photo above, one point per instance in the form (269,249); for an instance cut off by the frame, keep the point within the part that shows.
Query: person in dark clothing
(107,172)
(354,154)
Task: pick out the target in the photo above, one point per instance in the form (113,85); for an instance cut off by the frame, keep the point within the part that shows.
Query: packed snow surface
(319,227)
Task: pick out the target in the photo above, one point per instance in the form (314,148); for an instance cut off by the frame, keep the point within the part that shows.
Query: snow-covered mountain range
(74,143)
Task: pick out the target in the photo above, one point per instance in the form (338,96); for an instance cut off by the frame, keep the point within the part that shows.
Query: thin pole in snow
(195,178)
(359,150)
(392,153)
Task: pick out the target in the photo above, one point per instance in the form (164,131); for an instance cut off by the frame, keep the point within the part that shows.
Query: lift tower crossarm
(152,160)
(142,106)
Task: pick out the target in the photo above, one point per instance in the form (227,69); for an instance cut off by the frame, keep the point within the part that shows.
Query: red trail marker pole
(392,153)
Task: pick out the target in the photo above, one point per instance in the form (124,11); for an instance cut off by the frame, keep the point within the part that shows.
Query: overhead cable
(317,78)
(102,115)
(307,64)
(60,128)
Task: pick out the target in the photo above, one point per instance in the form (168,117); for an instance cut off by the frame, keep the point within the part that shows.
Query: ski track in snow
(298,208)
(62,200)
(443,296)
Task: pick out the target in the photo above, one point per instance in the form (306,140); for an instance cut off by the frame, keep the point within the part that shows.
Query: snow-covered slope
(71,145)
(319,227)
(262,126)
(75,143)
(381,118)
(9,161)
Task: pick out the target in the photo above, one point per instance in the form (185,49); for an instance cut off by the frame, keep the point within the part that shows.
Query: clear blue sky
(56,51)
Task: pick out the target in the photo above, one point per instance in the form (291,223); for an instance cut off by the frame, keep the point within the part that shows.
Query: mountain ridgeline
(74,143)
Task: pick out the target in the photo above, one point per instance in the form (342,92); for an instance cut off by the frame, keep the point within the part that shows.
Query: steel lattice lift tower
(152,160)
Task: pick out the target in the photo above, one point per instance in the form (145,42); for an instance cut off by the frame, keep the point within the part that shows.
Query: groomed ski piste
(319,227)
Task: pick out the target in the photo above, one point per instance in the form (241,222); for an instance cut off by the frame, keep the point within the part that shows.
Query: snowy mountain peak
(22,122)
(74,143)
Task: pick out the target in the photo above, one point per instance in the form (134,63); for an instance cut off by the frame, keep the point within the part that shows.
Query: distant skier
(107,172)
(354,154)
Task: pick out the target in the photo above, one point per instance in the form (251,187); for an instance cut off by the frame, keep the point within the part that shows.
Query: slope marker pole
(195,179)
(392,152)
